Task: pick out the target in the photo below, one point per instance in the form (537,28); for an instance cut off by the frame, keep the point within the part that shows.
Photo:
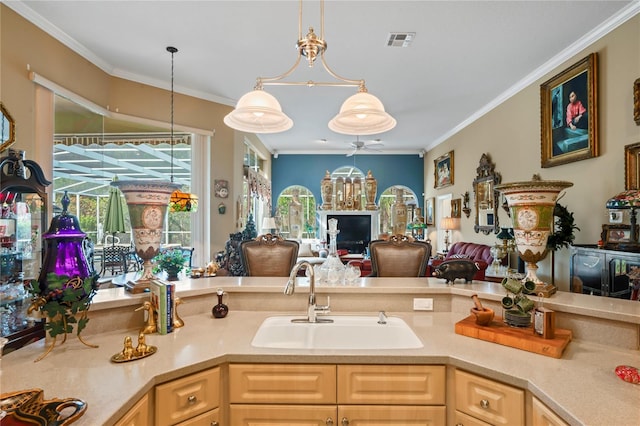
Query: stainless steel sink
(345,332)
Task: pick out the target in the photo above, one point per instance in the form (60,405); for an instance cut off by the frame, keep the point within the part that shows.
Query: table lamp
(269,224)
(448,223)
(629,199)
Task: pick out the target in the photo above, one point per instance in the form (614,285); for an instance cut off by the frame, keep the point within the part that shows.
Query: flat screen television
(355,232)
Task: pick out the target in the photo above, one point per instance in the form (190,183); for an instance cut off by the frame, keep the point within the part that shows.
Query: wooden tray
(519,338)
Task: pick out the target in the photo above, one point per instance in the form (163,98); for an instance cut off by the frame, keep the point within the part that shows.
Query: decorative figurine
(142,347)
(220,310)
(177,321)
(128,351)
(151,326)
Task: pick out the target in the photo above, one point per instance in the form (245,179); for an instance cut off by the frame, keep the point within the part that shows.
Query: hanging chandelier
(179,201)
(260,112)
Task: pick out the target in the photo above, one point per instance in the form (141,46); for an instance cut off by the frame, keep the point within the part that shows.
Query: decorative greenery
(564,225)
(169,260)
(66,297)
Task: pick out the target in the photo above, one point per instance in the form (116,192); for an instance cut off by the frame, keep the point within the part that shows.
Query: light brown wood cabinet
(488,401)
(260,394)
(182,400)
(139,414)
(544,416)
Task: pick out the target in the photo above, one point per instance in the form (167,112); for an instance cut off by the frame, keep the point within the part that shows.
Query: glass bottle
(332,270)
(220,310)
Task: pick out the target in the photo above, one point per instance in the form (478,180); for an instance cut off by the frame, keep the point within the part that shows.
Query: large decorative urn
(370,191)
(326,191)
(147,201)
(531,205)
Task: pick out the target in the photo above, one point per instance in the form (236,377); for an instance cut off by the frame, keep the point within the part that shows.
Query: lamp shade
(505,234)
(362,114)
(258,112)
(448,223)
(625,200)
(268,223)
(183,202)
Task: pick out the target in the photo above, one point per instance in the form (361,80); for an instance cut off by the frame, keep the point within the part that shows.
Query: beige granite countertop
(581,386)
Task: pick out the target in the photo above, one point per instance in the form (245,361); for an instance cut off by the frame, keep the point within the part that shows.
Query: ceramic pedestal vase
(531,205)
(370,191)
(147,201)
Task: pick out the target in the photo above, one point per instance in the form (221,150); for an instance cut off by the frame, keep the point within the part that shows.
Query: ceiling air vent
(400,39)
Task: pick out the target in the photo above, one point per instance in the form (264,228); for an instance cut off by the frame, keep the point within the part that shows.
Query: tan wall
(51,59)
(510,134)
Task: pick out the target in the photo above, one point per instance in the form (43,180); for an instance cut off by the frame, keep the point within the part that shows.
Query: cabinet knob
(191,399)
(329,421)
(459,424)
(484,404)
(344,422)
(215,423)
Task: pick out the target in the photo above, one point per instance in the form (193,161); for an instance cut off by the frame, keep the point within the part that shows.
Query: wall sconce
(465,204)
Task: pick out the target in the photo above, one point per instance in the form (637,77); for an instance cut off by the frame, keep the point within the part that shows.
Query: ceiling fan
(359,145)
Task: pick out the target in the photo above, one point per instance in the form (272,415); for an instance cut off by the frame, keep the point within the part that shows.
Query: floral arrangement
(169,260)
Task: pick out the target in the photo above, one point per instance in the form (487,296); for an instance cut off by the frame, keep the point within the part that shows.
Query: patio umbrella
(114,217)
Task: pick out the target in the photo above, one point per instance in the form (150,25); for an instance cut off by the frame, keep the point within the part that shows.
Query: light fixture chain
(172,50)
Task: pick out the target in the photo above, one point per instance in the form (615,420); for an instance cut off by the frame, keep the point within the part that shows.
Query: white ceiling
(466,58)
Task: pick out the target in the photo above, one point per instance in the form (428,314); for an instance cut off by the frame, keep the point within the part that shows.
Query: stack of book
(162,299)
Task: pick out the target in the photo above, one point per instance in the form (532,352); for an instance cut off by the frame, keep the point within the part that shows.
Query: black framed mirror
(486,197)
(7,129)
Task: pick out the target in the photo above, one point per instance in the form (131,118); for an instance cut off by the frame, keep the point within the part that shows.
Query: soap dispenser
(220,310)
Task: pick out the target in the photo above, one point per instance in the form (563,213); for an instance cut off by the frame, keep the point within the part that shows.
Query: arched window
(296,213)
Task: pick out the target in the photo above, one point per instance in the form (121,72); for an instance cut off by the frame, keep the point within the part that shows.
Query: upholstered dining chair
(399,256)
(269,256)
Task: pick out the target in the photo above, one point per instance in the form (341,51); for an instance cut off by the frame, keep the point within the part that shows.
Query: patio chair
(269,256)
(113,260)
(399,256)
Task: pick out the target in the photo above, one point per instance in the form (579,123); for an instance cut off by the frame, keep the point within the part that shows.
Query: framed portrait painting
(443,170)
(631,170)
(429,211)
(569,114)
(456,208)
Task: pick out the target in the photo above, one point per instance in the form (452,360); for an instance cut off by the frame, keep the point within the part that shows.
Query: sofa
(477,253)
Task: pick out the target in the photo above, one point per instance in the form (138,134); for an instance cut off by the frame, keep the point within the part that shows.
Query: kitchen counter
(581,387)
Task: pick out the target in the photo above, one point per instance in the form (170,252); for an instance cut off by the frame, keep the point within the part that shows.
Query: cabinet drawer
(210,418)
(462,419)
(490,401)
(391,384)
(282,383)
(391,415)
(282,415)
(185,398)
(138,415)
(543,416)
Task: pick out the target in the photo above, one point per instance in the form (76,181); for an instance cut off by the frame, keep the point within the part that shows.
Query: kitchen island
(580,387)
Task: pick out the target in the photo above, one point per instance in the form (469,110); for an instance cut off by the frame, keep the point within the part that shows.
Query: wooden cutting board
(519,338)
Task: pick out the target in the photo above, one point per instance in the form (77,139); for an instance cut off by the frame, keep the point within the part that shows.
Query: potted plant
(172,261)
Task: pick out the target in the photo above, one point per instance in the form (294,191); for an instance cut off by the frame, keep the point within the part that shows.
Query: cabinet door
(187,397)
(490,401)
(588,274)
(619,267)
(390,415)
(543,416)
(282,383)
(391,384)
(282,415)
(138,415)
(462,419)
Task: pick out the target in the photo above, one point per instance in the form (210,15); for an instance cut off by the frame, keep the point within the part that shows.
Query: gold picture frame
(456,208)
(569,127)
(443,170)
(429,211)
(631,161)
(636,101)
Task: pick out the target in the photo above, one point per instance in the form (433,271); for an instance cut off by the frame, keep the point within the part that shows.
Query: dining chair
(113,260)
(269,256)
(399,256)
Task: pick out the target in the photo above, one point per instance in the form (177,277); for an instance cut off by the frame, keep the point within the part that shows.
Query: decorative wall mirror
(7,129)
(486,196)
